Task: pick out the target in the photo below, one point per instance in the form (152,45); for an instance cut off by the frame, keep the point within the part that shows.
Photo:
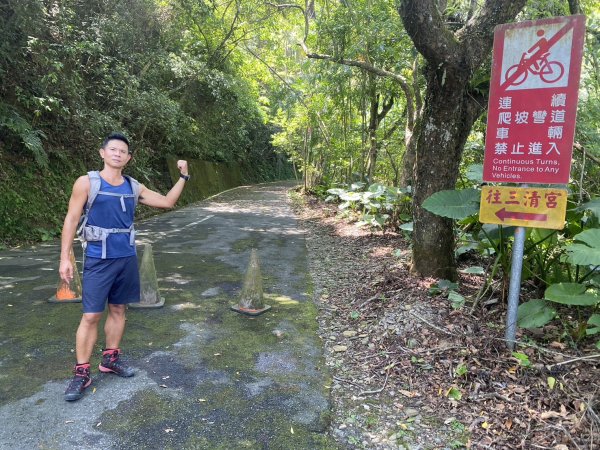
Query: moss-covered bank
(34,200)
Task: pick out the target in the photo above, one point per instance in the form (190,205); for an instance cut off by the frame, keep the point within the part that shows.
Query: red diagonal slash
(530,61)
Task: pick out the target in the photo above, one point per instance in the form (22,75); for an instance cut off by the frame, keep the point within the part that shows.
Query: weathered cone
(68,292)
(149,294)
(251,299)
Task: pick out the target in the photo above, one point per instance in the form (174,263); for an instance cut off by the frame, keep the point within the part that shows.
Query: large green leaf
(351,196)
(476,270)
(534,314)
(592,205)
(571,294)
(336,191)
(586,249)
(454,204)
(593,325)
(475,172)
(377,189)
(408,226)
(494,232)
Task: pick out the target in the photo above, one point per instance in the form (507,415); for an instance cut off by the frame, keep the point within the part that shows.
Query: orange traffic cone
(251,300)
(149,294)
(68,292)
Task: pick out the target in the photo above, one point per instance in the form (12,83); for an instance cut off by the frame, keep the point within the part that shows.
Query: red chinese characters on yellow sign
(523,206)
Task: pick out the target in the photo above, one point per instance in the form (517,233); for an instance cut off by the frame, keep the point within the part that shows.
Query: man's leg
(85,339)
(115,325)
(114,329)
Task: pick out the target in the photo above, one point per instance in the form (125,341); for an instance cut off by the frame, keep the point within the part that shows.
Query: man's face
(115,153)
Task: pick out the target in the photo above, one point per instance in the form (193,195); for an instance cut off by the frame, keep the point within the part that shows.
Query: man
(110,272)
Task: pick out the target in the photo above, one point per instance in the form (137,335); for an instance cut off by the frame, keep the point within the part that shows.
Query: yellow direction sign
(523,206)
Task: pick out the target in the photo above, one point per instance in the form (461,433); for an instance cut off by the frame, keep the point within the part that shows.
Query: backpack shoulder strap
(135,187)
(95,182)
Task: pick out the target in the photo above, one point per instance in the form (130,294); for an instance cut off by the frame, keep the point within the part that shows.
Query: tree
(366,35)
(450,109)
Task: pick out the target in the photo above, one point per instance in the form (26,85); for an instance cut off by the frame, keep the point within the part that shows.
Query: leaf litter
(417,372)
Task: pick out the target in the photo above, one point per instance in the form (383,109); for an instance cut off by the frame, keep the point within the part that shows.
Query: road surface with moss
(207,377)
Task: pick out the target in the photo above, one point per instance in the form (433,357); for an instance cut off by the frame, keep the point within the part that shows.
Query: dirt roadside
(411,372)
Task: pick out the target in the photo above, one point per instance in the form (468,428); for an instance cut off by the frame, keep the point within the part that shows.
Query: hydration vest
(87,233)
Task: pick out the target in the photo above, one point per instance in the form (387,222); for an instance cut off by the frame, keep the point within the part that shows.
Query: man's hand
(65,270)
(182,165)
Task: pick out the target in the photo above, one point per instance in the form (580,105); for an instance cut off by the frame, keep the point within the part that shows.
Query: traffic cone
(68,292)
(251,299)
(149,295)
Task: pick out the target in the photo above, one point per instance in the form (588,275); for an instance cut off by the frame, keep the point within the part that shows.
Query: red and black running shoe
(112,363)
(81,380)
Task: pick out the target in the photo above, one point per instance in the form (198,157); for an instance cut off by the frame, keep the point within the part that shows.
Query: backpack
(87,233)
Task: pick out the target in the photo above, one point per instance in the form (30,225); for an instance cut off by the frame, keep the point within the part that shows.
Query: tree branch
(367,67)
(229,33)
(291,5)
(477,36)
(574,7)
(467,48)
(580,148)
(426,28)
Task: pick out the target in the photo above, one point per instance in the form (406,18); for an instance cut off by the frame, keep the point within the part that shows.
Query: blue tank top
(107,212)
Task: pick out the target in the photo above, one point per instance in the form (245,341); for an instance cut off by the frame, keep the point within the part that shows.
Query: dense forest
(168,74)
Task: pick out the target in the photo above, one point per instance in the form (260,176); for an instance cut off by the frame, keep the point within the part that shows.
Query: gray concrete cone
(149,294)
(68,292)
(251,299)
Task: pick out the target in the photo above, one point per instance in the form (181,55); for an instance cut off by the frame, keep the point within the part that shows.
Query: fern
(31,139)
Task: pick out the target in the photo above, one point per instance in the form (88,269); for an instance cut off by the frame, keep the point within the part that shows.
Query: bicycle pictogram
(536,64)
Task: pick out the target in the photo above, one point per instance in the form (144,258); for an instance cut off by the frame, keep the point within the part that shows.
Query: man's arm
(81,189)
(151,198)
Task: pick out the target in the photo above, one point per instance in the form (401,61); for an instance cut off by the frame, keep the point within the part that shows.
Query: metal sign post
(514,287)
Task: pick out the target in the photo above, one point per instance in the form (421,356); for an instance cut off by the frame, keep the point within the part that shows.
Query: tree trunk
(449,112)
(408,160)
(574,7)
(447,119)
(372,133)
(410,132)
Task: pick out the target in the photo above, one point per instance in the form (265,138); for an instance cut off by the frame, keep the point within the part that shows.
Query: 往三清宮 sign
(523,206)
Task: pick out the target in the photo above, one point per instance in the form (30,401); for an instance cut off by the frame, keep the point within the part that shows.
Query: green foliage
(454,204)
(13,124)
(167,73)
(586,248)
(456,300)
(572,294)
(548,257)
(379,206)
(522,359)
(449,289)
(461,370)
(454,393)
(534,314)
(593,325)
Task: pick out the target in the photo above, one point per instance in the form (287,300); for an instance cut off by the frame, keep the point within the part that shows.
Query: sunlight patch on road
(282,299)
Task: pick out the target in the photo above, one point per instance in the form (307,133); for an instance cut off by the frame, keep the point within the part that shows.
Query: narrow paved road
(207,377)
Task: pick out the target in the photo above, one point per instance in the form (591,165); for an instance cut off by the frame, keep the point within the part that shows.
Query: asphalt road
(207,377)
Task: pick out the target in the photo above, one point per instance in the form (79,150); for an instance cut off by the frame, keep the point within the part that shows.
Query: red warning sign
(533,101)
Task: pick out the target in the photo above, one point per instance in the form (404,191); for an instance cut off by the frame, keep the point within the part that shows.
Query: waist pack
(92,233)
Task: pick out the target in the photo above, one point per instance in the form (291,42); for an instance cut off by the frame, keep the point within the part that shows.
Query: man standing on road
(110,271)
